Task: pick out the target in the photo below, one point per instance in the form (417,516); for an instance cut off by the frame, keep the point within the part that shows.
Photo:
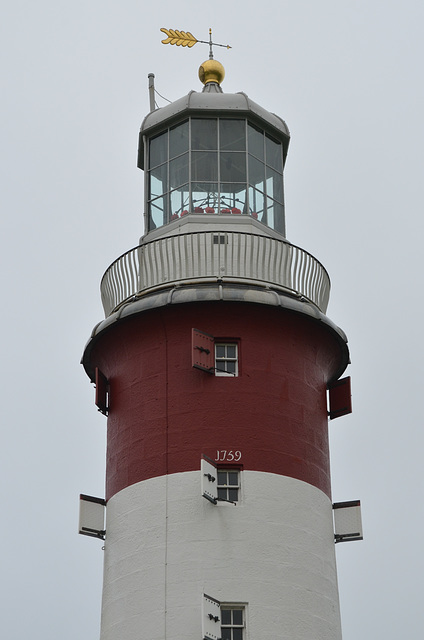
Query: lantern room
(212,153)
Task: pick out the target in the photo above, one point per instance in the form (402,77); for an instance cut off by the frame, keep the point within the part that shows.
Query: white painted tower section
(273,553)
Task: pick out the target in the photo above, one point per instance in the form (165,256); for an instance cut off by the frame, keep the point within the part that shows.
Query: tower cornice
(218,291)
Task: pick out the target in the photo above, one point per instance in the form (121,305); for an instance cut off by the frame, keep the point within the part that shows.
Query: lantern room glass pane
(232,135)
(233,196)
(256,204)
(256,173)
(204,134)
(204,166)
(179,199)
(158,150)
(157,213)
(178,139)
(158,181)
(178,171)
(233,166)
(255,142)
(274,156)
(275,215)
(274,185)
(204,195)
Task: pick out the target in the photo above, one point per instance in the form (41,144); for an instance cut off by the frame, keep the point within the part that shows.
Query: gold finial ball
(211,71)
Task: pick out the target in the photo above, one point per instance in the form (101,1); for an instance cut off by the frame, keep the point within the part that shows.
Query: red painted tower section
(256,557)
(164,414)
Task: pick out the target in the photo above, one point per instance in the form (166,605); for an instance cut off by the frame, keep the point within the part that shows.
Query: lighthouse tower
(217,369)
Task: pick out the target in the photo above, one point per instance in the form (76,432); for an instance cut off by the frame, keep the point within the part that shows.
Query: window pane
(204,166)
(233,196)
(178,171)
(256,173)
(273,154)
(157,213)
(233,167)
(274,185)
(158,150)
(238,616)
(158,181)
(222,477)
(226,616)
(204,195)
(232,135)
(255,142)
(222,494)
(256,204)
(179,201)
(230,367)
(231,351)
(275,215)
(226,634)
(237,634)
(178,140)
(279,220)
(233,478)
(204,134)
(270,213)
(220,350)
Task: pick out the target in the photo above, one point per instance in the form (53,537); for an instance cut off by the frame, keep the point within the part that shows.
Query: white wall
(274,551)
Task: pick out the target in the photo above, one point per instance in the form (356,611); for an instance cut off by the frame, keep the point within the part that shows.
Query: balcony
(212,256)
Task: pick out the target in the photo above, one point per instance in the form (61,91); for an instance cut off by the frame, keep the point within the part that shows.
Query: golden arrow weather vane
(187,39)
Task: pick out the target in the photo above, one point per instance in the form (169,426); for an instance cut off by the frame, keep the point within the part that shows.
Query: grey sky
(347,78)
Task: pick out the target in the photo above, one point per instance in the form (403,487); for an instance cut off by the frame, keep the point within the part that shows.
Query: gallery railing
(211,256)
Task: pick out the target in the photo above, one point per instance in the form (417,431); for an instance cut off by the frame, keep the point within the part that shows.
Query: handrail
(212,255)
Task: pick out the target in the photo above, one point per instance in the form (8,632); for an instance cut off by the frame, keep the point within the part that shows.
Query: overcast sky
(347,78)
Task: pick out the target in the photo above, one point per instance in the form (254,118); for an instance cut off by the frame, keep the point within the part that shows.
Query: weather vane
(187,39)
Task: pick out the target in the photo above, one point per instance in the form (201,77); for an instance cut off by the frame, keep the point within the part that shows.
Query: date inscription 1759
(223,455)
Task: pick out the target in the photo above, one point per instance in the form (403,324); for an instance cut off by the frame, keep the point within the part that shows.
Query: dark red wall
(164,414)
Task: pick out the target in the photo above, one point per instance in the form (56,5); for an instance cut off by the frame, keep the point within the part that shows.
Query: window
(228,485)
(223,621)
(220,483)
(232,622)
(226,359)
(213,354)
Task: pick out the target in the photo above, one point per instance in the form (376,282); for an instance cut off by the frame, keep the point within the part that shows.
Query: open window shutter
(101,392)
(340,398)
(211,618)
(209,480)
(92,516)
(202,351)
(347,521)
